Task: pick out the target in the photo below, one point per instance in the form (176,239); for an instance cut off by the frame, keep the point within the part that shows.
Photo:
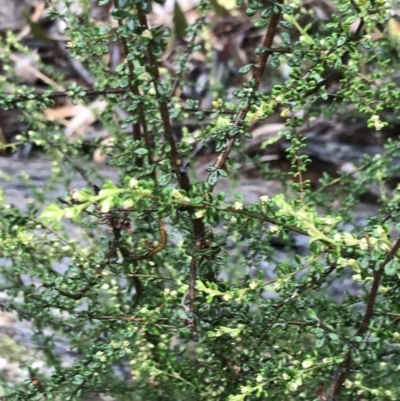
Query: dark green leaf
(245,69)
(141,151)
(179,20)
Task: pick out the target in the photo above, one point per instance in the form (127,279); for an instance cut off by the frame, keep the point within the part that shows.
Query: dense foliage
(145,302)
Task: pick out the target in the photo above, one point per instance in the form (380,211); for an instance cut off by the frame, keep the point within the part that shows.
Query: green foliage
(143,302)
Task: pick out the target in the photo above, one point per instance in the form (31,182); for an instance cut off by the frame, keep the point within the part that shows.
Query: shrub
(143,301)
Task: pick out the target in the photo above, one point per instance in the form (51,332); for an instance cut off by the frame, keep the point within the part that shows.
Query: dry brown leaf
(81,116)
(320,393)
(64,112)
(81,122)
(100,155)
(35,72)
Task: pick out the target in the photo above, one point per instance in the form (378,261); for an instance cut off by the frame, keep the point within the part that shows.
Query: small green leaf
(52,213)
(222,173)
(78,379)
(293,62)
(213,178)
(341,41)
(265,14)
(285,37)
(119,13)
(164,32)
(391,268)
(286,24)
(351,20)
(245,69)
(286,9)
(165,179)
(141,151)
(200,286)
(311,314)
(106,204)
(366,45)
(260,24)
(250,12)
(221,196)
(275,61)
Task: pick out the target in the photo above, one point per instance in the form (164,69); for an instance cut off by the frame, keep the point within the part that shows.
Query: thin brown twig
(297,156)
(136,133)
(337,384)
(257,75)
(199,231)
(66,93)
(77,167)
(374,289)
(163,107)
(307,285)
(358,169)
(139,128)
(192,291)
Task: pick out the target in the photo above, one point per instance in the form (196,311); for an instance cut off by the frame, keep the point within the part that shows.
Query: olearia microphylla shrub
(164,294)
